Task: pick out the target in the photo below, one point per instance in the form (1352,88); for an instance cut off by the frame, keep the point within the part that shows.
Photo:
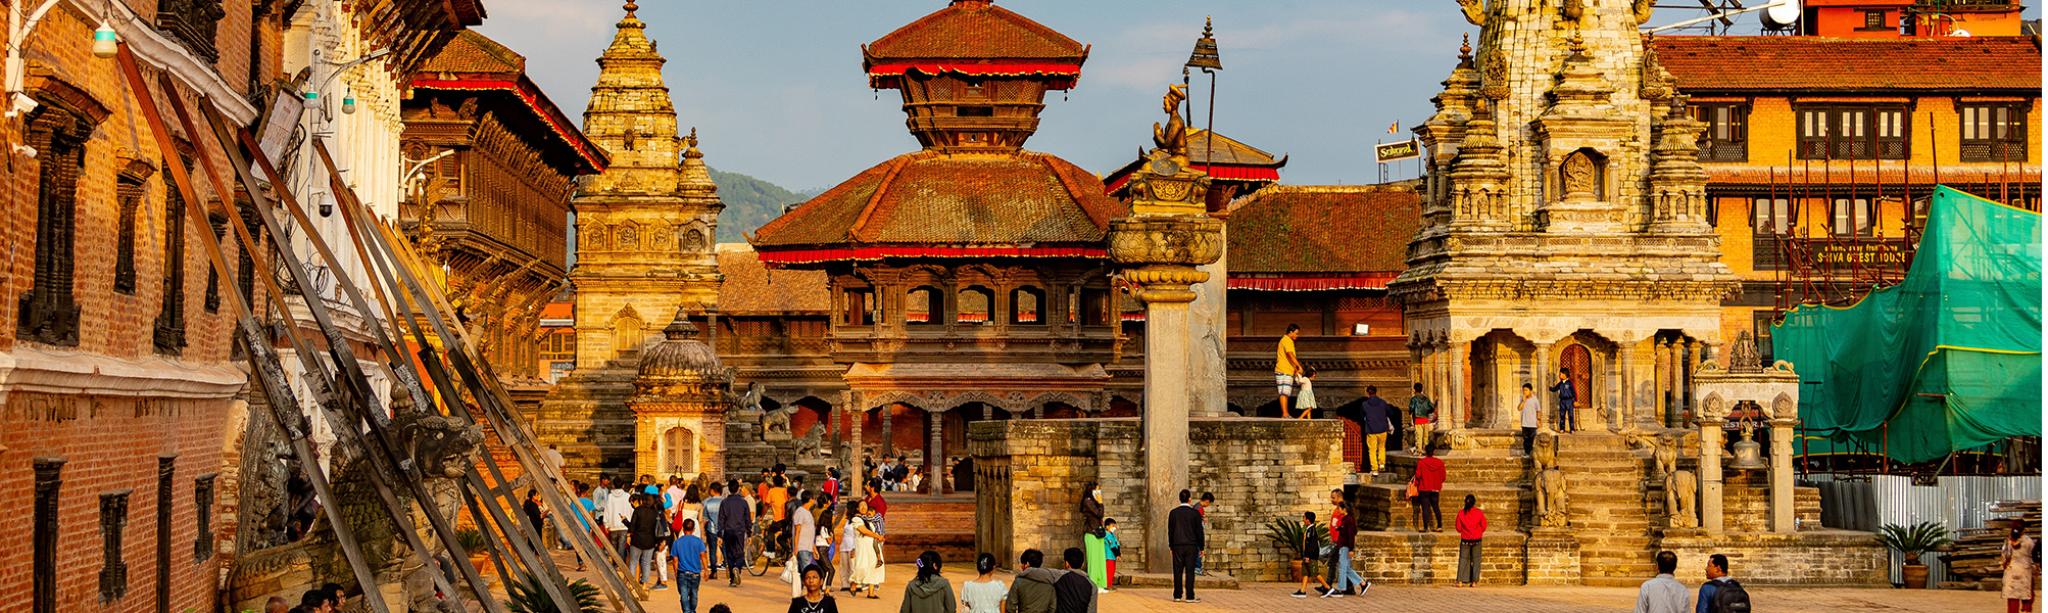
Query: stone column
(1681,380)
(1710,473)
(934,451)
(1781,475)
(1540,377)
(855,414)
(1457,408)
(1660,382)
(1207,374)
(888,442)
(1626,416)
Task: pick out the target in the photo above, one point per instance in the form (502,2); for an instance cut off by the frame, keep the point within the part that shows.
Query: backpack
(1729,597)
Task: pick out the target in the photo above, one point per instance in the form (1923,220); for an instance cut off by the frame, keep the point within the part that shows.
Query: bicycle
(763,557)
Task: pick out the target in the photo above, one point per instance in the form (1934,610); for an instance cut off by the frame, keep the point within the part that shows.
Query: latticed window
(218,223)
(113,569)
(170,317)
(128,192)
(49,312)
(1865,132)
(166,475)
(202,504)
(1994,133)
(1770,225)
(1726,138)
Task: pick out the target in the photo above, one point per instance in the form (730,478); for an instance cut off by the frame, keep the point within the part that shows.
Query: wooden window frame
(1862,210)
(113,568)
(1770,220)
(1821,131)
(2007,141)
(1726,138)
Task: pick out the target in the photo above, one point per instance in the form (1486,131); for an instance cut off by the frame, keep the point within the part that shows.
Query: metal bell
(1748,453)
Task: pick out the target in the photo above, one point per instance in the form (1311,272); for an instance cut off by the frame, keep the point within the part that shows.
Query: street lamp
(348,100)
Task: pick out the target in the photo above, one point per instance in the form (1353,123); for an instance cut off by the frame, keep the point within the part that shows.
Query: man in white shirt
(1663,594)
(1531,407)
(617,510)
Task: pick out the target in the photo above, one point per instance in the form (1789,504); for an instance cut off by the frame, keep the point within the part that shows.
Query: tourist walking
(1305,393)
(663,531)
(1663,593)
(803,532)
(535,518)
(1429,487)
(1343,538)
(2020,562)
(1074,592)
(1202,507)
(1471,530)
(692,557)
(1286,366)
(1032,591)
(928,592)
(1721,593)
(1112,547)
(1424,412)
(1185,539)
(1309,551)
(814,599)
(1567,419)
(618,509)
(735,524)
(644,536)
(984,593)
(1531,408)
(712,506)
(1378,421)
(866,573)
(847,536)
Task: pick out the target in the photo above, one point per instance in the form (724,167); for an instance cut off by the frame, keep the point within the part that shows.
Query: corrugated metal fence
(1867,502)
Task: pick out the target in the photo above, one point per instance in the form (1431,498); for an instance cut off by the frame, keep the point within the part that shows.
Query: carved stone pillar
(1540,377)
(1456,408)
(1158,249)
(1660,382)
(934,451)
(1710,472)
(888,442)
(855,414)
(1626,416)
(1681,380)
(1782,520)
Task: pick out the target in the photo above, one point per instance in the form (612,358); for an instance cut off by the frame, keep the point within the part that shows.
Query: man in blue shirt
(1717,576)
(691,557)
(1566,396)
(1378,421)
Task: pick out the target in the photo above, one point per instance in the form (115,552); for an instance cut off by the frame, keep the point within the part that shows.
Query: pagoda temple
(969,280)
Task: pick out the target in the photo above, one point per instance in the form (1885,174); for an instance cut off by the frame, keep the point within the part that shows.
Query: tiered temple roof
(973,38)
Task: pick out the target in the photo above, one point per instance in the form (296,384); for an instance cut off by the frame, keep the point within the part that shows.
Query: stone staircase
(1610,507)
(1497,479)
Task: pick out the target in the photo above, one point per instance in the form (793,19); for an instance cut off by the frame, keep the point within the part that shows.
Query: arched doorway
(1577,359)
(678,451)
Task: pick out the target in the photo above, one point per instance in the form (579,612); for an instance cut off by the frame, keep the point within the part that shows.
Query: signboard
(1390,152)
(1878,253)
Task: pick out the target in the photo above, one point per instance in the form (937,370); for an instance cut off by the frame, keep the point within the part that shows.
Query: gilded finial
(1465,50)
(1208,26)
(631,6)
(1578,43)
(690,145)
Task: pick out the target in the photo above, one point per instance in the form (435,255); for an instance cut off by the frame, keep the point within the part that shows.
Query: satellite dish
(1960,33)
(1782,14)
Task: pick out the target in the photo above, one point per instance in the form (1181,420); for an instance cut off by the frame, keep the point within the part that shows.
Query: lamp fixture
(105,43)
(348,104)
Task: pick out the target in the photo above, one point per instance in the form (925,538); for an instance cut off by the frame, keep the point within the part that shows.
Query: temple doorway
(679,451)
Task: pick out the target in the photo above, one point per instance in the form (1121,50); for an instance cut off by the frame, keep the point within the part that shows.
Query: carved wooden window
(1994,132)
(49,313)
(49,479)
(166,473)
(857,307)
(976,306)
(170,317)
(1726,138)
(192,22)
(245,267)
(1771,224)
(1094,306)
(1761,321)
(1027,306)
(921,306)
(128,191)
(202,504)
(1853,132)
(218,223)
(113,569)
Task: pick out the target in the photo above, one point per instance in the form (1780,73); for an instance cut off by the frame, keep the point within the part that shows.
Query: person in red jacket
(1429,485)
(1471,528)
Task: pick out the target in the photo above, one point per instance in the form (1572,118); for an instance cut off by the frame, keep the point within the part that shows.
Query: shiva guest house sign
(1391,152)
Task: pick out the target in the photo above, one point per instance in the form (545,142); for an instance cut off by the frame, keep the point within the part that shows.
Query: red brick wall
(109,444)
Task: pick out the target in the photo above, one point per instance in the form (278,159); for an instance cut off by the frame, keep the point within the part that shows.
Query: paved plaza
(768,594)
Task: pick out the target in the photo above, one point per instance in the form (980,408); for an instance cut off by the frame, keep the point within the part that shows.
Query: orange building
(1817,149)
(1894,18)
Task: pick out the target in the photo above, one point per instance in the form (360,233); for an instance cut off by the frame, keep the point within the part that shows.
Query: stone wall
(1809,558)
(1413,557)
(1030,474)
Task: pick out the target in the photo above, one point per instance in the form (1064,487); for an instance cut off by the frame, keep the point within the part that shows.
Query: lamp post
(348,101)
(1205,57)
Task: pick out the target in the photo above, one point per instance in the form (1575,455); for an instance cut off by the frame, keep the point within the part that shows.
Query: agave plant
(1911,542)
(472,540)
(528,596)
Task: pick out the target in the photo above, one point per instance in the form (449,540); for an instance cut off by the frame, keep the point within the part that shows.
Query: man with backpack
(1721,593)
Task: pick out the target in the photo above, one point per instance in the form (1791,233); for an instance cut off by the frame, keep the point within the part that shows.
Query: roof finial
(1465,48)
(1208,26)
(631,6)
(690,145)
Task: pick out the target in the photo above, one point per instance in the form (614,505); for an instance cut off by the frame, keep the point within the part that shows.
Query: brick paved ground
(768,595)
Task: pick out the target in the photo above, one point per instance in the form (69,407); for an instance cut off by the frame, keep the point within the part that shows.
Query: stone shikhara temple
(973,299)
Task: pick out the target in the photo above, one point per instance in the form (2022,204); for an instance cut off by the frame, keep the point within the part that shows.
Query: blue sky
(776,90)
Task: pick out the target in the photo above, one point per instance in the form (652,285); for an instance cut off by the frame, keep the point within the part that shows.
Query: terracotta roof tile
(975,29)
(1807,63)
(1296,229)
(470,52)
(1227,151)
(928,198)
(751,288)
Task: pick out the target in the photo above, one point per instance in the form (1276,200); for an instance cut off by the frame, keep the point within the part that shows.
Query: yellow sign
(1404,150)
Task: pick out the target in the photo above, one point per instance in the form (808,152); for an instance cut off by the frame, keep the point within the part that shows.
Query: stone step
(1386,506)
(1211,581)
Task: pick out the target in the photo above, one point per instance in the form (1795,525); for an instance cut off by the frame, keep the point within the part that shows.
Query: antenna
(1782,8)
(1782,16)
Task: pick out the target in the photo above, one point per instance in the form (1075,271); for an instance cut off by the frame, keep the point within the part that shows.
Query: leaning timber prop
(392,257)
(351,391)
(263,361)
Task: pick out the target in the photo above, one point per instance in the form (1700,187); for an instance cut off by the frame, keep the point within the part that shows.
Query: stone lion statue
(1681,493)
(776,422)
(811,444)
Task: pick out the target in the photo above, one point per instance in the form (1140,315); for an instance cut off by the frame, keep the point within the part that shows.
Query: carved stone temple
(1565,227)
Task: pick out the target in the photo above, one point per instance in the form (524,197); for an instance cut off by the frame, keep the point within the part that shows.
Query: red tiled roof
(1234,161)
(927,199)
(471,52)
(473,62)
(1816,64)
(751,288)
(974,30)
(1321,230)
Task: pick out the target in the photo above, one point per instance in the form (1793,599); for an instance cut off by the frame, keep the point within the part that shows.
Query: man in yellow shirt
(1286,366)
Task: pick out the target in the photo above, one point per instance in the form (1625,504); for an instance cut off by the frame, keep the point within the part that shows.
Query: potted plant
(1299,541)
(473,543)
(1910,543)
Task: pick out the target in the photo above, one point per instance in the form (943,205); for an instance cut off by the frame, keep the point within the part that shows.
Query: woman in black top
(814,600)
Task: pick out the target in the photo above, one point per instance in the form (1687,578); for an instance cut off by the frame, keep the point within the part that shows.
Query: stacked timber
(1974,558)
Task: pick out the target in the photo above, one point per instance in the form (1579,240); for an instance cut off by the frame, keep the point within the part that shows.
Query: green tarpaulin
(1948,360)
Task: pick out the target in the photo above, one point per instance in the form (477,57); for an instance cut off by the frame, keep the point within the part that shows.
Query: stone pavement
(766,594)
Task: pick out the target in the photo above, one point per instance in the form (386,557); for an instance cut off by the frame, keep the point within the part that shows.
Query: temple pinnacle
(631,6)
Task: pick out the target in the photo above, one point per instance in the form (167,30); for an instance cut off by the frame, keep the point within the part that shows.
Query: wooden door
(1580,361)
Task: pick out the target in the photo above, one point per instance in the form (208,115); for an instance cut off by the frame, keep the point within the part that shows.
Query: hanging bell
(1748,453)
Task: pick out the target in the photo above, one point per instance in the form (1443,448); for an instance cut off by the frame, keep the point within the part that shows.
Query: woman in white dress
(2017,560)
(867,551)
